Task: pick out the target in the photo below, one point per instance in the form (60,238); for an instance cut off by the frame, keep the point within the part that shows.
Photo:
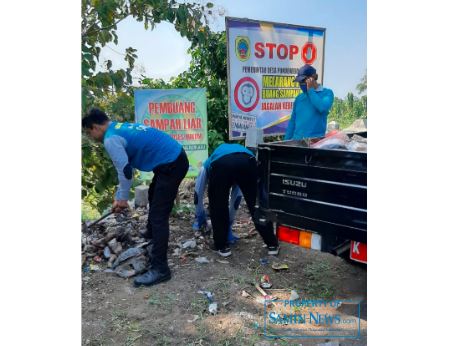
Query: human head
(247,93)
(304,73)
(95,124)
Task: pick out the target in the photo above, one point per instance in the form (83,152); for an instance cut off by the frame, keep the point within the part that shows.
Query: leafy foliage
(362,86)
(98,28)
(111,89)
(345,111)
(208,69)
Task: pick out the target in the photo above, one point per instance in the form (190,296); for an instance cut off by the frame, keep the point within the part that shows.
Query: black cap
(304,72)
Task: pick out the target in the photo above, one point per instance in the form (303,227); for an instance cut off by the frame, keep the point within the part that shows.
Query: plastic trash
(212,308)
(265,282)
(264,261)
(208,295)
(189,244)
(333,140)
(107,252)
(202,260)
(279,266)
(245,294)
(293,295)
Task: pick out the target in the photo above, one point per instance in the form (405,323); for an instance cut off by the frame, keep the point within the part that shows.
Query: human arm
(322,101)
(199,194)
(115,146)
(291,126)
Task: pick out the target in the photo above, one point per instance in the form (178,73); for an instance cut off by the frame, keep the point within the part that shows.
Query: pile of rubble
(119,241)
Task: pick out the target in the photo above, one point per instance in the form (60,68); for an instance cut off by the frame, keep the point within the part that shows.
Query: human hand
(310,83)
(118,206)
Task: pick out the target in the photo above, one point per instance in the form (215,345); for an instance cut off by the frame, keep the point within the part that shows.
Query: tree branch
(87,33)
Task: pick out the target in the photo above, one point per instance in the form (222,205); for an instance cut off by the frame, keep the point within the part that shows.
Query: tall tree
(362,86)
(111,89)
(99,20)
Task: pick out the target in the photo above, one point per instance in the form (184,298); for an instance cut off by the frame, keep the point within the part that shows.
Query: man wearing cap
(311,107)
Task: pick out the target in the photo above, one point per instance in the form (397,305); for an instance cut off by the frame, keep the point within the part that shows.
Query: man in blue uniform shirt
(233,164)
(311,107)
(147,149)
(200,221)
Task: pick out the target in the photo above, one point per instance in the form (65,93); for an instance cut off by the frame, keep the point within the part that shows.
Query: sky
(162,52)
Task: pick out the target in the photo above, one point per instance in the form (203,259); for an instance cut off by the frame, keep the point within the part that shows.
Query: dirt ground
(174,313)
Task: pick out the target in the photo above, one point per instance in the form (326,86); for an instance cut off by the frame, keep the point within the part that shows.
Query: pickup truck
(316,197)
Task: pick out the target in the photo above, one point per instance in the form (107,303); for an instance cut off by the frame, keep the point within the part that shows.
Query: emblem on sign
(242,48)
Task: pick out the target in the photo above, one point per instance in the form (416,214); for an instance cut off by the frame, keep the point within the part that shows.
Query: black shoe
(225,252)
(152,277)
(273,250)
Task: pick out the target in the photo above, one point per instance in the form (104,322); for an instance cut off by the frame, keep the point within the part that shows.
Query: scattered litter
(191,254)
(246,315)
(208,295)
(189,244)
(107,252)
(262,292)
(201,260)
(212,308)
(279,266)
(97,259)
(265,296)
(177,252)
(195,317)
(293,295)
(95,268)
(224,304)
(264,261)
(223,261)
(113,244)
(265,282)
(245,294)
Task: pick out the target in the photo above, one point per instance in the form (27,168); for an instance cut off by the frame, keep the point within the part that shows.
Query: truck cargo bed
(324,191)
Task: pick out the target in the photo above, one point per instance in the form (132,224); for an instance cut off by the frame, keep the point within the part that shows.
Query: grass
(317,285)
(198,305)
(122,325)
(162,302)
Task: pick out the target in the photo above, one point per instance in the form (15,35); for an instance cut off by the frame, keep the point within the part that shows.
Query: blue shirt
(225,149)
(137,146)
(199,195)
(309,114)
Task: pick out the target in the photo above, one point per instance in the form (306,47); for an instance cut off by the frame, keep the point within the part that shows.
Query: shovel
(87,226)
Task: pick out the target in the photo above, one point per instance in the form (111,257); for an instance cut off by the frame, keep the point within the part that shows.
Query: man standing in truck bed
(311,107)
